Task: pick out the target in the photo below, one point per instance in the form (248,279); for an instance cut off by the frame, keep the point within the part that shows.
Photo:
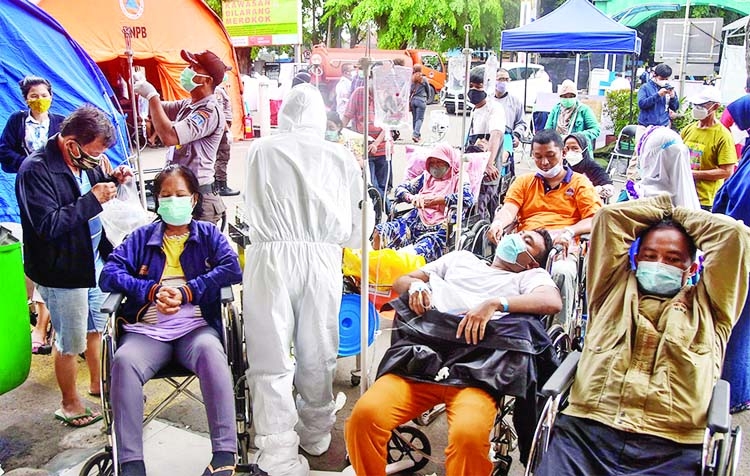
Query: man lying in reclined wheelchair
(654,344)
(467,334)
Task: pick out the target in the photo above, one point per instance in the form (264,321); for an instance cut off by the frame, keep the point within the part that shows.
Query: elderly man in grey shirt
(193,128)
(514,113)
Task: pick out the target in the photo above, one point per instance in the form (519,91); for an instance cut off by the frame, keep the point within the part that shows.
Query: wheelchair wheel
(101,464)
(409,442)
(560,341)
(107,356)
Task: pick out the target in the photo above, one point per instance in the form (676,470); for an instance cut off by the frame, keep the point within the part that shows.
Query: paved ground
(177,444)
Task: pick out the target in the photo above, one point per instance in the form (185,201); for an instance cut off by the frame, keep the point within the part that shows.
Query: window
(432,61)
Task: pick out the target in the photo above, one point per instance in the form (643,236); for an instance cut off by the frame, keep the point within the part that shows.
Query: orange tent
(161,28)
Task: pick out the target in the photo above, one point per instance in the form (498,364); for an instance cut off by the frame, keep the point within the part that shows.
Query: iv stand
(128,33)
(464,159)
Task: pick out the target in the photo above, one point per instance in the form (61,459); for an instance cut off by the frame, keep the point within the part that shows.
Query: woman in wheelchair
(431,194)
(577,154)
(171,272)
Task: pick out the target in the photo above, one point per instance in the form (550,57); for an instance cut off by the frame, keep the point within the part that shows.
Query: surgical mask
(39,105)
(82,160)
(699,113)
(332,136)
(501,87)
(660,82)
(476,96)
(176,211)
(438,171)
(186,79)
(360,73)
(551,173)
(574,158)
(510,246)
(567,103)
(659,278)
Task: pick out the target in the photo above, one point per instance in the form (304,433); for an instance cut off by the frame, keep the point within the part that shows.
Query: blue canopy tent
(32,42)
(575,26)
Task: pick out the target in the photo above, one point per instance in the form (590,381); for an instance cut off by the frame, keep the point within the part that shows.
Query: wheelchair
(624,149)
(179,378)
(409,447)
(721,443)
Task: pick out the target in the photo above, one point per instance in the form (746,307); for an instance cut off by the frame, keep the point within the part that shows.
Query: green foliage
(436,24)
(617,107)
(215,5)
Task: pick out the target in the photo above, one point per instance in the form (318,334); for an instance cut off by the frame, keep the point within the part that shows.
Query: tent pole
(578,65)
(632,87)
(128,32)
(525,82)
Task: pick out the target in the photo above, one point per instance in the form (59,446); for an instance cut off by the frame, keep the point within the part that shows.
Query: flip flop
(95,394)
(70,420)
(40,348)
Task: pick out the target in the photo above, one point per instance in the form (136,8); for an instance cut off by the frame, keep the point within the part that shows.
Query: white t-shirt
(342,95)
(488,118)
(460,281)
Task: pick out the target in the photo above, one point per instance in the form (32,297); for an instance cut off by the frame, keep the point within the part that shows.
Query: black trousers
(582,447)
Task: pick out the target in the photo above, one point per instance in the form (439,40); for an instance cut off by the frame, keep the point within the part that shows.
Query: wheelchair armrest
(227,295)
(719,420)
(562,376)
(112,303)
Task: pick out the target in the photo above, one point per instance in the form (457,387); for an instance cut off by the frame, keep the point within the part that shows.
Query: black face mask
(476,96)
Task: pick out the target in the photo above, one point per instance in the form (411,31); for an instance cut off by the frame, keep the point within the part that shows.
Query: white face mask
(551,173)
(660,82)
(699,113)
(574,158)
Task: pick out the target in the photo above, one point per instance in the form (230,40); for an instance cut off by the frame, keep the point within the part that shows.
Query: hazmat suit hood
(303,111)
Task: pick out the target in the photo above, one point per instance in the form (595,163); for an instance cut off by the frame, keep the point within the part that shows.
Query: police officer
(192,128)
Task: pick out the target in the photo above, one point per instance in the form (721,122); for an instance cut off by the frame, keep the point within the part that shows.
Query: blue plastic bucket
(349,325)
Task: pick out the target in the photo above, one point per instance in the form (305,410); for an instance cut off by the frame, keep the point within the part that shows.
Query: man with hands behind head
(61,188)
(192,128)
(459,297)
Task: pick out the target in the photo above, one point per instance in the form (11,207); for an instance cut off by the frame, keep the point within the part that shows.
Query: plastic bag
(391,89)
(123,214)
(385,266)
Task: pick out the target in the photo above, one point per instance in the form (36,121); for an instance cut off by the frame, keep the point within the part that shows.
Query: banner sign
(263,22)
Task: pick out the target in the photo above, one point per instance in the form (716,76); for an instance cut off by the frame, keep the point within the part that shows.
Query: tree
(215,5)
(436,24)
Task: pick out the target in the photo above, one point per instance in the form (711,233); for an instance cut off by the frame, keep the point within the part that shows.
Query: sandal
(221,471)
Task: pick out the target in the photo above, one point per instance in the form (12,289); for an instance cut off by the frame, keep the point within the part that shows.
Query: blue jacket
(57,246)
(13,141)
(135,268)
(654,107)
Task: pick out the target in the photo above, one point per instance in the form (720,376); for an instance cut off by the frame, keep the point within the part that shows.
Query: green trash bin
(15,334)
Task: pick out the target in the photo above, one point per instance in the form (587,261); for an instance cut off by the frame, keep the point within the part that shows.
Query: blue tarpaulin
(34,43)
(575,26)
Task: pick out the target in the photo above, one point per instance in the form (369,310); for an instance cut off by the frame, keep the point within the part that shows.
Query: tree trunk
(747,47)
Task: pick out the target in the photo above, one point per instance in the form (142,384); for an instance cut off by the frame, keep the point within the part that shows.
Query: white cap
(567,87)
(707,94)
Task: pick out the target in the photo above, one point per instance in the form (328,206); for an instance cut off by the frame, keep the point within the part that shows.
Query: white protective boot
(278,455)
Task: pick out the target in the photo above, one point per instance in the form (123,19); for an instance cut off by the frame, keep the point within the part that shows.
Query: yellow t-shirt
(709,148)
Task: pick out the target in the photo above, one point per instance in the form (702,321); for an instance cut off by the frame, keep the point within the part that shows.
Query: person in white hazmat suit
(303,205)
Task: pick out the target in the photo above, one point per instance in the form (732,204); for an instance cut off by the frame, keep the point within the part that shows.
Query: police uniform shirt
(199,127)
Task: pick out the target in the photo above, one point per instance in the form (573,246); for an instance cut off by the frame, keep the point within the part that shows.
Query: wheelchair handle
(112,303)
(227,295)
(563,376)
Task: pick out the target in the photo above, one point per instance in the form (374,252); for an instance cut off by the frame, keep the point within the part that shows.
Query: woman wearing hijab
(664,164)
(431,193)
(733,199)
(577,154)
(570,115)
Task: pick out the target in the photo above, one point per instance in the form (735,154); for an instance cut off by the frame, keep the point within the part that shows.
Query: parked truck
(325,65)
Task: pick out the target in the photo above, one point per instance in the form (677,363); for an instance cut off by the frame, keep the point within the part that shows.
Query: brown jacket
(649,363)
